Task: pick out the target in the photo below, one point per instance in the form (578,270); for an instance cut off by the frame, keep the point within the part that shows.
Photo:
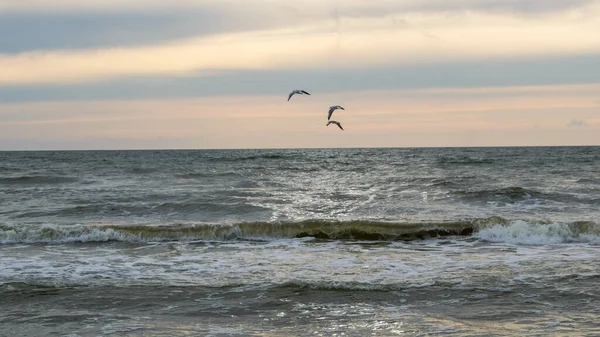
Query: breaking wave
(540,233)
(494,229)
(328,230)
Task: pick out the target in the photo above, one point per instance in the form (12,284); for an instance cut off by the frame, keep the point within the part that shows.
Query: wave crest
(539,233)
(49,233)
(507,194)
(253,157)
(465,160)
(319,229)
(495,229)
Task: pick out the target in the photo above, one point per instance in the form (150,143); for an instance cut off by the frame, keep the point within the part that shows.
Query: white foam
(301,262)
(50,233)
(532,233)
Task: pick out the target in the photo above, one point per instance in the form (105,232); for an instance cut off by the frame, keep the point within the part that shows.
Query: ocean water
(301,242)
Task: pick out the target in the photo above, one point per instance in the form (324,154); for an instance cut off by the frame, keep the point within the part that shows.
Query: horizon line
(302,148)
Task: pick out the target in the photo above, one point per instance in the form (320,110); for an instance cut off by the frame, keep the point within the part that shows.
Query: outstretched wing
(330,113)
(340,125)
(304,92)
(291,94)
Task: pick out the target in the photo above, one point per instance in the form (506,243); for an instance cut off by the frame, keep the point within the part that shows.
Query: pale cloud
(42,24)
(348,7)
(493,73)
(108,5)
(364,42)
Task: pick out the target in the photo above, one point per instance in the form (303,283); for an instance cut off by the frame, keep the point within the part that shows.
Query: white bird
(299,92)
(332,109)
(334,122)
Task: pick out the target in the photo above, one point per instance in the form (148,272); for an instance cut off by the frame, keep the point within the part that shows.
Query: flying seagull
(332,109)
(334,122)
(299,92)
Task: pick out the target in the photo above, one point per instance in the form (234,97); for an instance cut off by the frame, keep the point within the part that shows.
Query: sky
(204,74)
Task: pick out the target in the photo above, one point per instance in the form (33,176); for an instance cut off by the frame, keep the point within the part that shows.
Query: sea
(500,241)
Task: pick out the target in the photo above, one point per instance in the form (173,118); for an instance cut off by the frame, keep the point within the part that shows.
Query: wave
(465,160)
(143,170)
(9,169)
(38,287)
(214,204)
(588,181)
(493,229)
(36,180)
(516,194)
(199,175)
(507,193)
(540,233)
(319,229)
(30,287)
(248,158)
(450,181)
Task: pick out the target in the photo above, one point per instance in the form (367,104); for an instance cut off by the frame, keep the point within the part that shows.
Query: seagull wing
(340,125)
(341,107)
(305,92)
(330,113)
(291,94)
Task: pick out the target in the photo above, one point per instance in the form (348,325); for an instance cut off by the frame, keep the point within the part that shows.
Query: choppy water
(354,242)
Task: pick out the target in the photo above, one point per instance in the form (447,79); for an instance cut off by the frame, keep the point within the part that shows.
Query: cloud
(43,31)
(369,104)
(364,43)
(51,30)
(577,123)
(68,24)
(491,73)
(349,7)
(93,5)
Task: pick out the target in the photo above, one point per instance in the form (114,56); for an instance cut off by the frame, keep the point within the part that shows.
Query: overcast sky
(121,74)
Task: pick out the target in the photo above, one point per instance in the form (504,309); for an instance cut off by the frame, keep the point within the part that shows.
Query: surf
(493,229)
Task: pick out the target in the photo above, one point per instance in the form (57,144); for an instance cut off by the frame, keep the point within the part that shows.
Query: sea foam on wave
(537,233)
(50,233)
(494,229)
